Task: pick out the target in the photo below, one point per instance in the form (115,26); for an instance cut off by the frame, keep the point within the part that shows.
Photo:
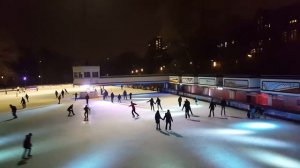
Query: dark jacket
(27,142)
(168,117)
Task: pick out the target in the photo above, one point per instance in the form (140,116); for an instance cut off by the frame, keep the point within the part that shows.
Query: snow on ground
(112,138)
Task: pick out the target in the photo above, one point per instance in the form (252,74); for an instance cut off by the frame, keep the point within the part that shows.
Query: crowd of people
(186,106)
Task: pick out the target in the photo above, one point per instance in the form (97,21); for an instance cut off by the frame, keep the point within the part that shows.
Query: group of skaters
(157,102)
(61,95)
(167,117)
(23,103)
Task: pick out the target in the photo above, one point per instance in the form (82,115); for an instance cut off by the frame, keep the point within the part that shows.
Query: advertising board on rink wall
(188,80)
(280,86)
(174,79)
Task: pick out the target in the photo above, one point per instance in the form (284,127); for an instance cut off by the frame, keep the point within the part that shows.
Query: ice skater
(151,104)
(168,119)
(13,110)
(112,96)
(157,120)
(125,95)
(27,97)
(27,146)
(133,110)
(76,94)
(86,113)
(87,97)
(196,100)
(189,106)
(212,106)
(158,103)
(187,109)
(56,94)
(70,110)
(59,98)
(223,105)
(179,101)
(62,93)
(119,98)
(130,96)
(66,91)
(23,102)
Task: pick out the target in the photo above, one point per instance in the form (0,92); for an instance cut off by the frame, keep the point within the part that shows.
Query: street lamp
(249,56)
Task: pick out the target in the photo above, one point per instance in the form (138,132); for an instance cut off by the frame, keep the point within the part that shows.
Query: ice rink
(112,138)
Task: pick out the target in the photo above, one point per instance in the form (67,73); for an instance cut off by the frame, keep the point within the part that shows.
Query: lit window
(293,21)
(225,44)
(87,74)
(76,75)
(80,74)
(95,74)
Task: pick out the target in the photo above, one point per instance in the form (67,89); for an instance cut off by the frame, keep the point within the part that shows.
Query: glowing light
(218,132)
(137,71)
(142,70)
(272,159)
(24,78)
(2,77)
(219,88)
(249,55)
(256,126)
(260,141)
(132,72)
(214,64)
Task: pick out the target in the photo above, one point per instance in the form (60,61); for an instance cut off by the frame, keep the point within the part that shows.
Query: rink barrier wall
(241,106)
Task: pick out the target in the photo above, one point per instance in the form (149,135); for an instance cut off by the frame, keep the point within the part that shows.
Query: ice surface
(112,138)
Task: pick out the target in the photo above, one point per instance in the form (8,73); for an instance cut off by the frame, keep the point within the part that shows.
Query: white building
(86,75)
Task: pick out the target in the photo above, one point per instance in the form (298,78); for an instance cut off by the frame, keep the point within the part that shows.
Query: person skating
(56,94)
(119,98)
(101,91)
(13,110)
(196,100)
(86,112)
(70,110)
(23,102)
(157,120)
(125,95)
(27,97)
(212,106)
(179,101)
(62,93)
(130,96)
(76,94)
(87,97)
(189,106)
(223,105)
(168,119)
(133,109)
(59,98)
(27,146)
(66,91)
(158,103)
(112,96)
(187,109)
(151,103)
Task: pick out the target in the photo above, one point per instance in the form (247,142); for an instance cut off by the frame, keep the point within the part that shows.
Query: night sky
(105,28)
